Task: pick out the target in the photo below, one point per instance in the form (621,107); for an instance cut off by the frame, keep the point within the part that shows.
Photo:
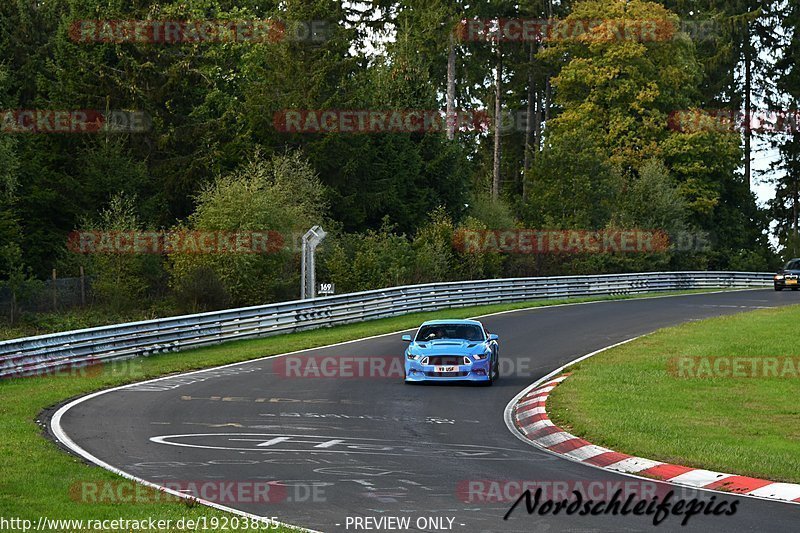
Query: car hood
(792,272)
(448,347)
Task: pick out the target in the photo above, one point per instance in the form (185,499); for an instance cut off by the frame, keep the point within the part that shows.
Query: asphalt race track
(374,447)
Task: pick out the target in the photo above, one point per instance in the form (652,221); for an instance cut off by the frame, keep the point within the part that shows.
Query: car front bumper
(478,371)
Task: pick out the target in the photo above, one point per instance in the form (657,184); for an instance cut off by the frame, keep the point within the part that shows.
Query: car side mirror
(407,338)
(493,337)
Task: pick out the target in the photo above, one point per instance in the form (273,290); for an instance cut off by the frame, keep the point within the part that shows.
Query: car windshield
(792,265)
(465,332)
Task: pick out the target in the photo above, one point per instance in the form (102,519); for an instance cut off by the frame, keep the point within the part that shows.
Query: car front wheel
(494,371)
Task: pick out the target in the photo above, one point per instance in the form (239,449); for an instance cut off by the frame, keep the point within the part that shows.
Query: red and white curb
(530,419)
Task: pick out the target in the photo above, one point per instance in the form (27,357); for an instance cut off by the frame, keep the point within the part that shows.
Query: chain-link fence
(47,296)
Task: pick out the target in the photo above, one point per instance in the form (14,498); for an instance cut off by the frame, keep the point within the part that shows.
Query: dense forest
(567,128)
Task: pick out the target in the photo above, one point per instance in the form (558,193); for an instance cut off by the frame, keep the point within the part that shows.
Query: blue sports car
(452,350)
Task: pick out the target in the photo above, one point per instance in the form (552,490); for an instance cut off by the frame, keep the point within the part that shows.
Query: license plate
(445,369)
(791,282)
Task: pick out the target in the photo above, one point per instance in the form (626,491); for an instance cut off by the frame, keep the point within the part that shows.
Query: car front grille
(447,360)
(447,374)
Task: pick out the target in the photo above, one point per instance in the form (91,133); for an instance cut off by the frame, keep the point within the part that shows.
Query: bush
(201,290)
(121,280)
(376,259)
(282,195)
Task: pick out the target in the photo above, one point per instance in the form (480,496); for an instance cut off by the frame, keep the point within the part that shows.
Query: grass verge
(39,480)
(635,399)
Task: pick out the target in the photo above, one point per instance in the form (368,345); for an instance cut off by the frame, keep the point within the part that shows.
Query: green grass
(628,400)
(36,476)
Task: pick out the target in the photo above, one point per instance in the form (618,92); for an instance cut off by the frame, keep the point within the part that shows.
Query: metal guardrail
(47,353)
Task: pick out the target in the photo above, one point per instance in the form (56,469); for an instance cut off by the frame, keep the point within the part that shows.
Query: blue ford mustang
(452,350)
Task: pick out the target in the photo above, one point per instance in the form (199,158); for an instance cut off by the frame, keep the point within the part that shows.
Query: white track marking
(699,478)
(780,491)
(633,465)
(587,452)
(555,438)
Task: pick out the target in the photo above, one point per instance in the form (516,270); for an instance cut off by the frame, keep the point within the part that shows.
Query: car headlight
(411,356)
(482,356)
(778,277)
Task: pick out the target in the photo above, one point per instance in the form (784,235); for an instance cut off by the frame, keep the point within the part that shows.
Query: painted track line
(59,433)
(533,426)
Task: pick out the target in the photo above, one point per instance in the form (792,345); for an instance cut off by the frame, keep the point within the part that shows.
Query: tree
(785,173)
(9,165)
(736,42)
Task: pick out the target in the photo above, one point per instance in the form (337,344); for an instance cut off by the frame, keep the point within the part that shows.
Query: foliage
(600,153)
(20,282)
(279,196)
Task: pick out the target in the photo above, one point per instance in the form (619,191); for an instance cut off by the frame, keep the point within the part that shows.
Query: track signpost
(308,276)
